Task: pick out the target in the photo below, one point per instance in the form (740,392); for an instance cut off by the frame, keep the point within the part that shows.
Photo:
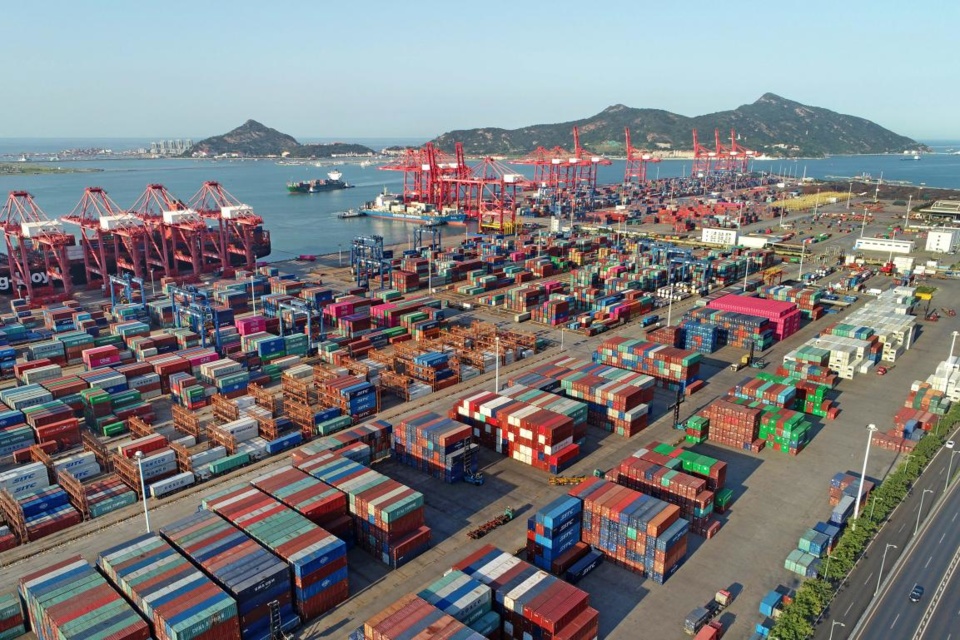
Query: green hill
(772,125)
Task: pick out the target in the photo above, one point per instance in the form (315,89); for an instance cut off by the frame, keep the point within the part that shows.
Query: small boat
(351,213)
(365,163)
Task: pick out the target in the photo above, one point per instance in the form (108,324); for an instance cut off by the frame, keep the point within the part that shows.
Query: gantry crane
(36,249)
(105,226)
(237,224)
(637,159)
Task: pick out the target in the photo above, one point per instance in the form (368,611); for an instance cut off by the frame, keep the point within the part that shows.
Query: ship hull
(451,219)
(307,187)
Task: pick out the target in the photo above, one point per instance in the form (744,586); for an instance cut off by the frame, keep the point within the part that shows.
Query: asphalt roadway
(926,560)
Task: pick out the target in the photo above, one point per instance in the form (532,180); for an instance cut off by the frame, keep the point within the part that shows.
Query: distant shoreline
(18,169)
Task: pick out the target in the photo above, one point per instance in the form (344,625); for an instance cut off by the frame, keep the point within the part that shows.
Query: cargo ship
(389,206)
(332,183)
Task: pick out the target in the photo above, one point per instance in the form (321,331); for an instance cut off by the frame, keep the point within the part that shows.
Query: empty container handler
(252,576)
(180,602)
(317,501)
(529,600)
(71,601)
(635,531)
(317,558)
(460,596)
(436,445)
(414,617)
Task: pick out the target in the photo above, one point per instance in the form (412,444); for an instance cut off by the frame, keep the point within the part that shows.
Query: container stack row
(784,316)
(436,445)
(531,602)
(519,430)
(670,366)
(317,558)
(388,516)
(638,532)
(69,600)
(553,535)
(178,600)
(249,573)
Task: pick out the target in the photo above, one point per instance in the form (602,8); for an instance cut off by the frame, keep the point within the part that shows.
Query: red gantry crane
(740,157)
(637,160)
(32,239)
(183,232)
(237,225)
(703,159)
(109,237)
(486,192)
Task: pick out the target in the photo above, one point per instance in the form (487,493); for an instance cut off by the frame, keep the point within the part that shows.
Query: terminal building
(945,209)
(943,240)
(884,245)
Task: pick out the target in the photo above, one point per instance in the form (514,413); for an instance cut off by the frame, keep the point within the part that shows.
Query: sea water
(307,223)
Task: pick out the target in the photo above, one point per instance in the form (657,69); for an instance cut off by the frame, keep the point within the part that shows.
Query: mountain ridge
(253,139)
(772,125)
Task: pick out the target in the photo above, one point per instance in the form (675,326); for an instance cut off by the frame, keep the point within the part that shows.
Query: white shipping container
(206,457)
(163,487)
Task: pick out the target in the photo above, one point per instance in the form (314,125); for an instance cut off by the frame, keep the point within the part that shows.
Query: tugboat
(351,213)
(332,183)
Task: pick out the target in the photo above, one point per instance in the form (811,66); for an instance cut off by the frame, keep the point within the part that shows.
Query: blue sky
(418,68)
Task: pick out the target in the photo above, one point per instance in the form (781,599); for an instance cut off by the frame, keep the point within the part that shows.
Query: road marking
(895,621)
(940,473)
(954,516)
(867,581)
(901,527)
(848,610)
(928,562)
(942,536)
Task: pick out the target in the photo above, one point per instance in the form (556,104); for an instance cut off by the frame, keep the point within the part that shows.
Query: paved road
(894,617)
(945,623)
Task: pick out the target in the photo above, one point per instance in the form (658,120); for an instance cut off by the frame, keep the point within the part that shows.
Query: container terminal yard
(656,412)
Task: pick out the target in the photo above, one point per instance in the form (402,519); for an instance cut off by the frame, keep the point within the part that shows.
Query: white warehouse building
(943,240)
(884,245)
(726,237)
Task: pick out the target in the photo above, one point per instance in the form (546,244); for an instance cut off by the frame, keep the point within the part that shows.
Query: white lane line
(895,621)
(867,581)
(928,562)
(901,527)
(954,516)
(848,610)
(942,536)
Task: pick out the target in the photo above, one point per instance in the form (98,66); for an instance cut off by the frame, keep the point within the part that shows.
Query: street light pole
(949,470)
(953,342)
(871,429)
(833,625)
(497,379)
(143,489)
(882,561)
(920,510)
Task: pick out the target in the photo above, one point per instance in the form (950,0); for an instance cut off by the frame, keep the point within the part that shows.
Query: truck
(702,616)
(649,320)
